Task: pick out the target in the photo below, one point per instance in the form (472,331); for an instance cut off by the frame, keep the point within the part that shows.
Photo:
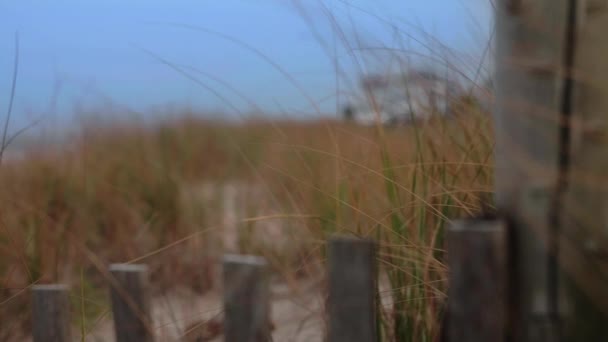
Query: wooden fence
(551,124)
(476,303)
(542,279)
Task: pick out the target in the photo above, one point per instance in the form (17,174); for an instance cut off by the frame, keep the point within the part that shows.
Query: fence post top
(252,260)
(50,287)
(349,238)
(476,225)
(128,268)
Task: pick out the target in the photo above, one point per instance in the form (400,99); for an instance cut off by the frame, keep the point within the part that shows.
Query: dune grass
(133,194)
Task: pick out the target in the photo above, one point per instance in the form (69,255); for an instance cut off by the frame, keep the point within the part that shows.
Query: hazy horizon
(77,56)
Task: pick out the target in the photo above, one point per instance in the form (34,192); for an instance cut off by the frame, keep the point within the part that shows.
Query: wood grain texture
(530,50)
(246,299)
(131,303)
(584,236)
(551,156)
(51,313)
(477,260)
(352,290)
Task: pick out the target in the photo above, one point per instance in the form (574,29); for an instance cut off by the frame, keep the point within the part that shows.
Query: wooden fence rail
(476,311)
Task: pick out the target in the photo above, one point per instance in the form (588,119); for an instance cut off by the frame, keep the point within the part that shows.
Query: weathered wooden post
(352,290)
(246,299)
(551,156)
(131,303)
(51,313)
(477,259)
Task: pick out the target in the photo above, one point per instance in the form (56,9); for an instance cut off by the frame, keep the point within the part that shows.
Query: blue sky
(77,55)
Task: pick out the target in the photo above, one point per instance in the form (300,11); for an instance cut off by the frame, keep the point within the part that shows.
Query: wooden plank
(477,260)
(352,274)
(584,233)
(131,303)
(530,61)
(246,299)
(51,313)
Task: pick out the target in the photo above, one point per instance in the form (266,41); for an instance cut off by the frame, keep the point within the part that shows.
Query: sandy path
(296,317)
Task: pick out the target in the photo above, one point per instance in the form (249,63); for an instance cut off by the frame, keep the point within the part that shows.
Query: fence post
(352,293)
(477,260)
(131,303)
(551,120)
(246,299)
(51,313)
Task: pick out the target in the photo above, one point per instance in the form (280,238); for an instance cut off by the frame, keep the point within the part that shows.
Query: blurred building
(402,98)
